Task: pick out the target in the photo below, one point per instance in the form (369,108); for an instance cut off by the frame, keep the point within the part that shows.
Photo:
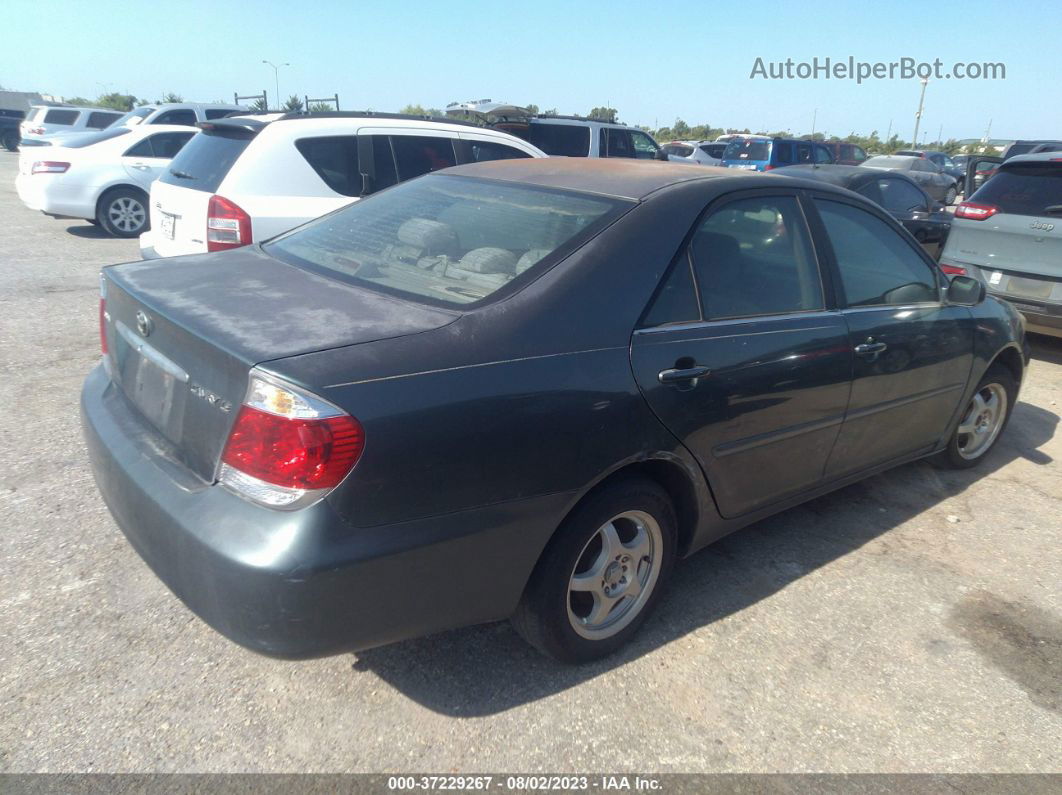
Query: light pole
(276,78)
(918,116)
(814,118)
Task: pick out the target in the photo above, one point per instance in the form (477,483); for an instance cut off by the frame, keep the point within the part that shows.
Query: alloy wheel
(615,575)
(126,214)
(982,421)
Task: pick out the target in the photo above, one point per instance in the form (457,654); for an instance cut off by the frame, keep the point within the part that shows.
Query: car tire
(950,196)
(593,586)
(983,420)
(10,141)
(123,212)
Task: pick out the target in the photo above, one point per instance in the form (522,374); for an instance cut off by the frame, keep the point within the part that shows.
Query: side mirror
(965,291)
(661,155)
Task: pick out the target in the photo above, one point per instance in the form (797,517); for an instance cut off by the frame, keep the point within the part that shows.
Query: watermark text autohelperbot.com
(851,69)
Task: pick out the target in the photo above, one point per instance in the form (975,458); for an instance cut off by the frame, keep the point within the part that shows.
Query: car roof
(833,173)
(79,107)
(1038,157)
(621,178)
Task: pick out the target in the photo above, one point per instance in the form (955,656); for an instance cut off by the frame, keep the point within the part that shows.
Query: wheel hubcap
(614,575)
(982,421)
(126,214)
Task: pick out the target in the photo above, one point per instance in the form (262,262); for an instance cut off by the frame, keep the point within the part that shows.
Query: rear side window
(335,160)
(489,150)
(162,145)
(417,154)
(68,117)
(217,113)
(714,150)
(784,155)
(754,257)
(1027,189)
(97,121)
(877,266)
(203,163)
(679,150)
(676,300)
(898,196)
(567,140)
(176,117)
(446,240)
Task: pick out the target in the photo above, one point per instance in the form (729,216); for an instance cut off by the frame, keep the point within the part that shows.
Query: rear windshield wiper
(181,174)
(1054,209)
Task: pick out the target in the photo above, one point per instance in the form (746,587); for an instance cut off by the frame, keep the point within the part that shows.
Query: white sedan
(102,177)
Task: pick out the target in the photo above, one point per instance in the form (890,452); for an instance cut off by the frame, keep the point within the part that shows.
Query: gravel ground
(912,622)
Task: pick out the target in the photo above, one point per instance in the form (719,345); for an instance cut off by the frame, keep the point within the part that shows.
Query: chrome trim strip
(750,442)
(897,402)
(137,343)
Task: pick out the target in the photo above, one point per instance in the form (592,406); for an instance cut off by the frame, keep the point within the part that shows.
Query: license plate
(168,224)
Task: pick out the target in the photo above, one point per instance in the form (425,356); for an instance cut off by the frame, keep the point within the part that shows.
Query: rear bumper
(1037,298)
(305,583)
(147,246)
(61,199)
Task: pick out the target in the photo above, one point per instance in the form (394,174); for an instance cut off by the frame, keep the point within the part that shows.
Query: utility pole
(276,78)
(888,135)
(918,116)
(940,135)
(814,118)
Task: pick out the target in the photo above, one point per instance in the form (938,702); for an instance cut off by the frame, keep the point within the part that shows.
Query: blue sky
(654,63)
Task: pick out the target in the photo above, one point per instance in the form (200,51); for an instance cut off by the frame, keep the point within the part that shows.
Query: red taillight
(49,167)
(768,167)
(103,325)
(228,226)
(305,454)
(953,270)
(975,212)
(35,131)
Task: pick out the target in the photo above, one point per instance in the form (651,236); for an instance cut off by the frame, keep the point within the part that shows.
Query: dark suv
(764,154)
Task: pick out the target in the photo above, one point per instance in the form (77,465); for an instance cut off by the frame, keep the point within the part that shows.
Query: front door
(741,357)
(913,352)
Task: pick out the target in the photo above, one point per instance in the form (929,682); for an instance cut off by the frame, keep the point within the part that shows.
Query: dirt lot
(909,623)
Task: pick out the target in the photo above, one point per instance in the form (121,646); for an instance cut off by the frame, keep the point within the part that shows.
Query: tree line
(679,130)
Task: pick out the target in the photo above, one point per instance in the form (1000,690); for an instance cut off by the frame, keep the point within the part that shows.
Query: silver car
(706,153)
(1009,235)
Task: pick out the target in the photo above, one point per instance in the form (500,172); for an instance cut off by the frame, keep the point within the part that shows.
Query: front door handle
(870,347)
(141,166)
(673,376)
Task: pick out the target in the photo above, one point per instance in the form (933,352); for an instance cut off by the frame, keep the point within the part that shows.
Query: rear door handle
(685,374)
(869,347)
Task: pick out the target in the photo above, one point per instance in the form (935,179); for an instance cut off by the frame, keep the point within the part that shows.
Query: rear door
(146,160)
(741,356)
(913,352)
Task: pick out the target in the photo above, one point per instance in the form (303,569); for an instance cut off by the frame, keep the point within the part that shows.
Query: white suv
(187,113)
(248,178)
(47,120)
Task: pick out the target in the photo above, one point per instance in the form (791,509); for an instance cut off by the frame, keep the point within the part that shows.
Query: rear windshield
(679,150)
(446,240)
(1027,189)
(570,140)
(205,160)
(75,141)
(747,150)
(713,150)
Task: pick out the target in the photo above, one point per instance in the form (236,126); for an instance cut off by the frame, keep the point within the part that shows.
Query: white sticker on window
(995,278)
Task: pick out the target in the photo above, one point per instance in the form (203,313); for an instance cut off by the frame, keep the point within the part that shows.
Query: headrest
(488,260)
(431,236)
(529,258)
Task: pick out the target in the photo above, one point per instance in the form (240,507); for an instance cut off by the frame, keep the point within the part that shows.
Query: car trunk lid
(183,334)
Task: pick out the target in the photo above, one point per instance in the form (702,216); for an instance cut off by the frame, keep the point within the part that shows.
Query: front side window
(447,240)
(754,257)
(161,145)
(644,148)
(490,150)
(877,266)
(678,150)
(421,154)
(823,155)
